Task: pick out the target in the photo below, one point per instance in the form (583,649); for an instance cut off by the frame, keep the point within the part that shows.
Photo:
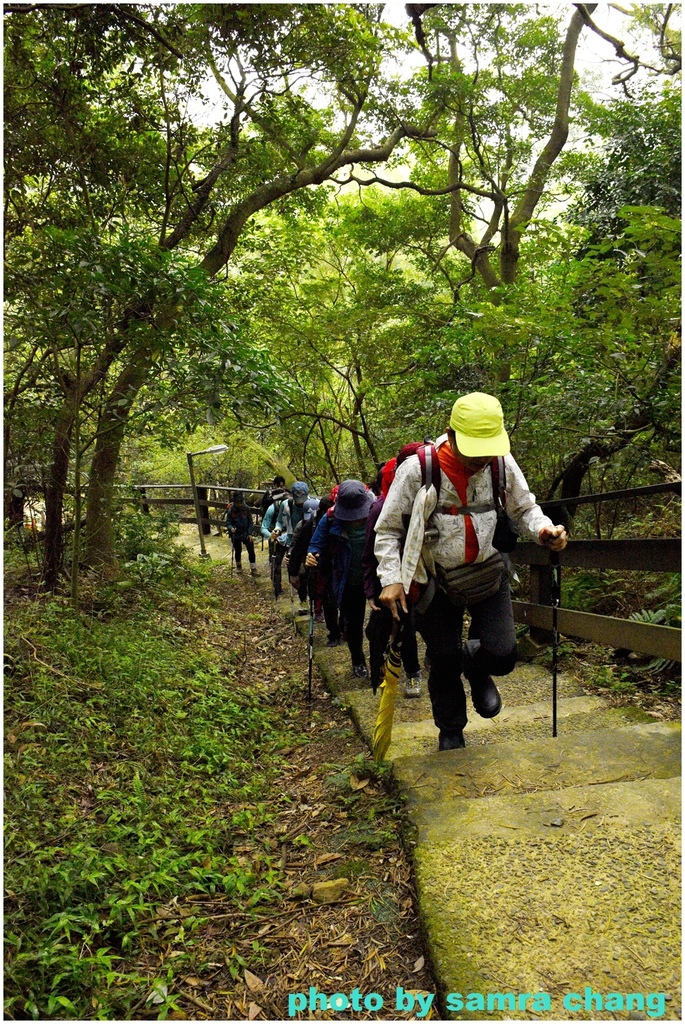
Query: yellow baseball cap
(478,422)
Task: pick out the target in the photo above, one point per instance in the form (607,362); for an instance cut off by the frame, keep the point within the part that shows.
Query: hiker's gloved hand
(555,538)
(392,596)
(275,534)
(311,561)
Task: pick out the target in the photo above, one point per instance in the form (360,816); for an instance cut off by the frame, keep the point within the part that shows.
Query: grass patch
(132,763)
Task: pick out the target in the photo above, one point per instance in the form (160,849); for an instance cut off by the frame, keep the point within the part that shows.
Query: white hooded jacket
(447,548)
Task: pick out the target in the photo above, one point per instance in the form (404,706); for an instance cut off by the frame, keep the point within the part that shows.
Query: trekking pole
(556,598)
(311,587)
(230,540)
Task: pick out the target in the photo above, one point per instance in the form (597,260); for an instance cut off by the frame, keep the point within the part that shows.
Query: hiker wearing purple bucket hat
(442,540)
(340,538)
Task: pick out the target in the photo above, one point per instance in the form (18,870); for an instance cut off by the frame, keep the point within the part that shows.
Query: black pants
(238,548)
(320,590)
(280,551)
(378,630)
(492,623)
(353,609)
(330,612)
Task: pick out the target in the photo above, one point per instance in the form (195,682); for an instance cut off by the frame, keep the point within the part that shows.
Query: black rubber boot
(451,741)
(484,693)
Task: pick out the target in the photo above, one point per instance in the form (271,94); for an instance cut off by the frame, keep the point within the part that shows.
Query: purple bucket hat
(353,500)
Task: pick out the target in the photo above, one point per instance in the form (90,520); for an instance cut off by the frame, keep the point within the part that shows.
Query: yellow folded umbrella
(383,728)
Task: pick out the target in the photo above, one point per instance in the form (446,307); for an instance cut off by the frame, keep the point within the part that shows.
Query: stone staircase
(547,868)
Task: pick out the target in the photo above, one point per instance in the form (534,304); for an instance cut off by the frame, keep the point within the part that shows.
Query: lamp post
(191,455)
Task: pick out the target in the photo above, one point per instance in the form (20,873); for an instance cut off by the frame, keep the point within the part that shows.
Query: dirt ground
(333,820)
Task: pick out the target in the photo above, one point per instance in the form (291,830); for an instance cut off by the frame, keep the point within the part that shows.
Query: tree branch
(221,252)
(619,48)
(128,15)
(375,180)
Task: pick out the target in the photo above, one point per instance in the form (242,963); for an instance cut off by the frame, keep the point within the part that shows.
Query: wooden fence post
(204,510)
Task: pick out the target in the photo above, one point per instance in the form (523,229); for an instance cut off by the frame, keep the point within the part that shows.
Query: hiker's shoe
(412,686)
(486,698)
(484,694)
(253,570)
(333,641)
(360,672)
(303,611)
(238,567)
(451,740)
(319,617)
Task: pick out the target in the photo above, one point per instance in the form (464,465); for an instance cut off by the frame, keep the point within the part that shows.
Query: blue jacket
(330,539)
(290,514)
(269,522)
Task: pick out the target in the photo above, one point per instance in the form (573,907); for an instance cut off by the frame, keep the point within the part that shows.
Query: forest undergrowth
(173,802)
(175,807)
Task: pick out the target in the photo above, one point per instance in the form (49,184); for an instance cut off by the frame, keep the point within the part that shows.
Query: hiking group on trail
(427,543)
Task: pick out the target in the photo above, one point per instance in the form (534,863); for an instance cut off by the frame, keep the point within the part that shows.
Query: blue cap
(299,489)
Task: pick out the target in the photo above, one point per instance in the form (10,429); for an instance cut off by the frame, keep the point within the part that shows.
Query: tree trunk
(99,542)
(518,222)
(99,549)
(54,496)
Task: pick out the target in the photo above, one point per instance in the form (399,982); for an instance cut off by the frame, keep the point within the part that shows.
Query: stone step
(577,759)
(589,810)
(558,912)
(414,732)
(531,682)
(574,715)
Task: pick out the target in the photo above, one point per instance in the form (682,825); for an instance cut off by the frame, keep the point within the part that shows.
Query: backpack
(506,531)
(430,467)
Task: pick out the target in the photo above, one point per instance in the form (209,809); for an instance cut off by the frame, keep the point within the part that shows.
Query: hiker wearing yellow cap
(437,548)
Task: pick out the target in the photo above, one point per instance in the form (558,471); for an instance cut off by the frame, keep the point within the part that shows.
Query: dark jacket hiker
(239,526)
(341,535)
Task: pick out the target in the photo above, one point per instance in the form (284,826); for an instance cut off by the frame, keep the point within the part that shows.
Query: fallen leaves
(326,858)
(316,831)
(254,983)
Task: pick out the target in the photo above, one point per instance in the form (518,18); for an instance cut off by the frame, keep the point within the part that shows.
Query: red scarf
(460,476)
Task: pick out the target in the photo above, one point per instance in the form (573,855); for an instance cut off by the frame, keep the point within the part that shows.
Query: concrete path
(547,868)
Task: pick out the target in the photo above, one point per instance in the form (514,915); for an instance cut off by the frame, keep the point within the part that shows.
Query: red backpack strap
(430,467)
(499,481)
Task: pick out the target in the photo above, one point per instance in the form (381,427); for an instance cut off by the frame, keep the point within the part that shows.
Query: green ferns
(125,746)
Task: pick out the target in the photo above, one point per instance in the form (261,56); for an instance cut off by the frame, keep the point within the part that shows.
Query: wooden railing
(646,555)
(187,500)
(652,554)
